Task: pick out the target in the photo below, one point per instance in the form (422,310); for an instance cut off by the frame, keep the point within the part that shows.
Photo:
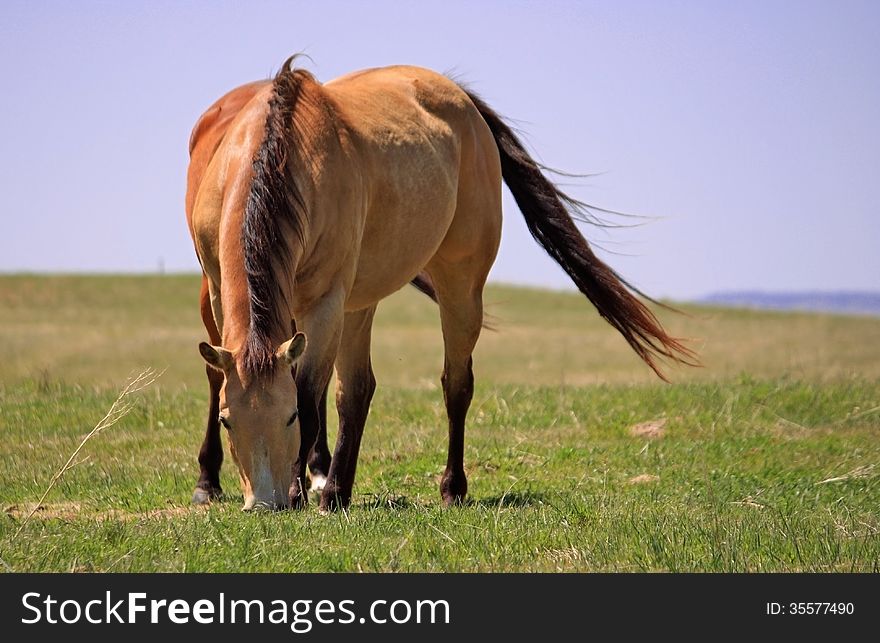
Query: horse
(204,140)
(308,203)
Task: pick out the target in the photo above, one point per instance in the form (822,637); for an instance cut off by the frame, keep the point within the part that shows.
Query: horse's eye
(225,423)
(292,419)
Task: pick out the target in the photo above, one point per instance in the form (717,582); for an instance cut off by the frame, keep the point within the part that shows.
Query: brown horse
(205,138)
(308,204)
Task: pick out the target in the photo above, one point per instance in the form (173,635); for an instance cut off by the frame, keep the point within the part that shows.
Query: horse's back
(431,90)
(392,108)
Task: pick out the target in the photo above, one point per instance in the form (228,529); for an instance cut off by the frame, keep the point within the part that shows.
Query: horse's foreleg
(354,391)
(211,452)
(323,328)
(319,460)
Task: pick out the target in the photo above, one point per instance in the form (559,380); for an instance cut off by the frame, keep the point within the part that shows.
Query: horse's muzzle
(252,504)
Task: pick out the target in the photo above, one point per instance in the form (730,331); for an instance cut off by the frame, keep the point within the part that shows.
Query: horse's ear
(216,356)
(292,349)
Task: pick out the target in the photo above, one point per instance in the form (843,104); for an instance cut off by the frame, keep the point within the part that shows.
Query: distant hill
(848,302)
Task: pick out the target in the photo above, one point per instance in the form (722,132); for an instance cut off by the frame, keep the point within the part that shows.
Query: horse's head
(260,416)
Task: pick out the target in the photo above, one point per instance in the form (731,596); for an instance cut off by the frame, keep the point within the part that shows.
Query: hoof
(453,488)
(331,501)
(298,501)
(261,507)
(205,496)
(318,483)
(453,500)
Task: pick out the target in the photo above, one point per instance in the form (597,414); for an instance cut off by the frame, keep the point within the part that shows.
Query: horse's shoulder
(212,124)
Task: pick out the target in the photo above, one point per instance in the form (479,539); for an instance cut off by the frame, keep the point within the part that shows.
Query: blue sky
(749,130)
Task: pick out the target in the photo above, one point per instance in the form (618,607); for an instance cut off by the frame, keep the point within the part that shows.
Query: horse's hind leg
(459,270)
(460,294)
(211,453)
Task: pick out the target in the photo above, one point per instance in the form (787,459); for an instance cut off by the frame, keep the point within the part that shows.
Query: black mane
(275,208)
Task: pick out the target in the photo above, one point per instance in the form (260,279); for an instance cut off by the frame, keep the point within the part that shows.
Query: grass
(769,458)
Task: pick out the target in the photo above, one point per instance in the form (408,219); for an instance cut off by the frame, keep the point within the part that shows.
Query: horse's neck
(278,232)
(235,305)
(238,309)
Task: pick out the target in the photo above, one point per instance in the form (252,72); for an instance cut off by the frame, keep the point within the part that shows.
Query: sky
(747,133)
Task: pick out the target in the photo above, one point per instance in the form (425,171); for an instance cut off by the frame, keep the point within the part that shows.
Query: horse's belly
(399,241)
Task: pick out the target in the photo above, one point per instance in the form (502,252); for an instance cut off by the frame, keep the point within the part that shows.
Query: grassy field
(578,458)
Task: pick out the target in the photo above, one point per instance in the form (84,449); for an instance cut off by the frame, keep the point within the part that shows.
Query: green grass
(739,481)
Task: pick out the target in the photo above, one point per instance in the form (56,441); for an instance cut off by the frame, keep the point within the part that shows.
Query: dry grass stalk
(865,471)
(118,410)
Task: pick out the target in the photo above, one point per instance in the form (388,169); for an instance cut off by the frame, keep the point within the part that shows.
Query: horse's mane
(275,212)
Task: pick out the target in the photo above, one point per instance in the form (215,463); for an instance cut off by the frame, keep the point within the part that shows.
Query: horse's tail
(422,282)
(547,211)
